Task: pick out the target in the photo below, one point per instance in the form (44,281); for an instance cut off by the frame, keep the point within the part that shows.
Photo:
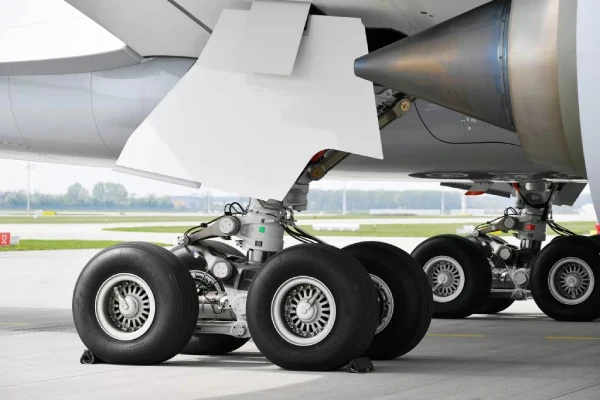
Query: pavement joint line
(455,335)
(14,323)
(571,338)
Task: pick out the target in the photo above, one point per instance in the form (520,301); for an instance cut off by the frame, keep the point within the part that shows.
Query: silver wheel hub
(386,302)
(303,311)
(571,281)
(306,312)
(130,307)
(446,277)
(125,307)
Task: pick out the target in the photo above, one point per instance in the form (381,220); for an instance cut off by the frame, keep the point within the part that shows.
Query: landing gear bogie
(309,307)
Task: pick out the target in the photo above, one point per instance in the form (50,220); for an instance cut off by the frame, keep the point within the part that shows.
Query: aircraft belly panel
(82,118)
(55,113)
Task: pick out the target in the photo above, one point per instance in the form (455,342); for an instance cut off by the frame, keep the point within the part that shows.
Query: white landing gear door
(588,61)
(253,133)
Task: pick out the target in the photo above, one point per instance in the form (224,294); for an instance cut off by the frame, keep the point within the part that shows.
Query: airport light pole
(344,199)
(29,168)
(443,201)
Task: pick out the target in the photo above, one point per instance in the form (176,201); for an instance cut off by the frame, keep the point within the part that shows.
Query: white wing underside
(253,133)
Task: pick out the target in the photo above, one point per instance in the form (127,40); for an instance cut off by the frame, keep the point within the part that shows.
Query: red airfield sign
(4,238)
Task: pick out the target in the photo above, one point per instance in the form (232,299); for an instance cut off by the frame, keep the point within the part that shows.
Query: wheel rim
(125,307)
(303,311)
(571,281)
(446,277)
(386,303)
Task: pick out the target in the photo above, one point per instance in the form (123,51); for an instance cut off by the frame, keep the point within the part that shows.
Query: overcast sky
(55,178)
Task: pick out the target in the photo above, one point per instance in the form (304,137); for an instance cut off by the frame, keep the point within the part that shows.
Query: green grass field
(26,245)
(382,230)
(96,219)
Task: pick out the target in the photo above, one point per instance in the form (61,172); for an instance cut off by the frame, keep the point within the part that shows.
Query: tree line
(114,196)
(104,195)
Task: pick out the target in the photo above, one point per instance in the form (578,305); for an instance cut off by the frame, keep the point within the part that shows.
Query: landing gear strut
(309,307)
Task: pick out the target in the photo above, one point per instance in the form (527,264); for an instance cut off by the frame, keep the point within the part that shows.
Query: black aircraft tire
(456,257)
(412,300)
(213,345)
(573,260)
(134,268)
(494,305)
(346,301)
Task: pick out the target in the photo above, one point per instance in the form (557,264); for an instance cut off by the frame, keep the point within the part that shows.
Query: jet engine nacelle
(511,63)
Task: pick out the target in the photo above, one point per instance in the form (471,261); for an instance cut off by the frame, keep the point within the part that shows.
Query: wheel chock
(88,358)
(360,365)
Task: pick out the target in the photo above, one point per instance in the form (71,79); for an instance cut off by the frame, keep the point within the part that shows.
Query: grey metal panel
(409,149)
(123,98)
(54,115)
(72,65)
(454,127)
(569,194)
(161,76)
(9,132)
(12,144)
(81,118)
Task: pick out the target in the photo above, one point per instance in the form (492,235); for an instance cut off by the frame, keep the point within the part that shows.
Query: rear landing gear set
(484,274)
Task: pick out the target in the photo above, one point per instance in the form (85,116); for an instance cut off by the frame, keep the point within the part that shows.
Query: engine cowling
(511,63)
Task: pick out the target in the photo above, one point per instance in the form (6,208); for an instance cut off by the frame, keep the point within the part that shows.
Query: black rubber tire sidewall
(213,345)
(174,293)
(413,300)
(476,267)
(580,247)
(353,293)
(494,305)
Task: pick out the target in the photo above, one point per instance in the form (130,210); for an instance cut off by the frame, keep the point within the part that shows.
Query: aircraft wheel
(208,344)
(135,303)
(404,298)
(458,272)
(312,307)
(494,305)
(565,279)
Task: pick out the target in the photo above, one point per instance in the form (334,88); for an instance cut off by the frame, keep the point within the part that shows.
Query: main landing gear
(484,274)
(308,307)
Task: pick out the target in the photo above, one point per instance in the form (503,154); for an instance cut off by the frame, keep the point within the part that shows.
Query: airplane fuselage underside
(86,118)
